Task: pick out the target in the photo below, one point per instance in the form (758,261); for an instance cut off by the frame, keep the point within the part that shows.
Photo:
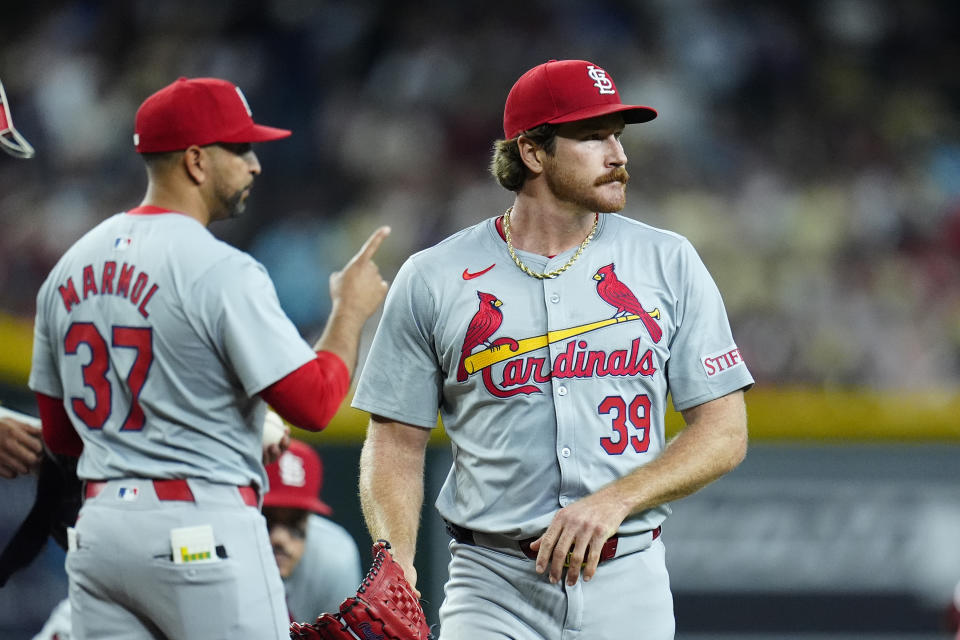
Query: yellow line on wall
(775,414)
(781,415)
(16,344)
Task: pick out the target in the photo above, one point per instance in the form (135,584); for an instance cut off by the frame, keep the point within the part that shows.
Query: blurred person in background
(21,444)
(318,559)
(953,612)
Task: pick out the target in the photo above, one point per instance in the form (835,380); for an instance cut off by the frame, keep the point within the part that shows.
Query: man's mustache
(617,175)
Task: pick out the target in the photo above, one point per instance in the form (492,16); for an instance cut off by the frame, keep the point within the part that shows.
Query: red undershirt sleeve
(309,397)
(58,432)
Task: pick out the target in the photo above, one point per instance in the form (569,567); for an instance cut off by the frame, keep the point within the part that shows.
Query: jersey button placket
(557,319)
(565,459)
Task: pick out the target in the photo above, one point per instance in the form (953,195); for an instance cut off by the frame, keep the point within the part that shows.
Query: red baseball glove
(385,607)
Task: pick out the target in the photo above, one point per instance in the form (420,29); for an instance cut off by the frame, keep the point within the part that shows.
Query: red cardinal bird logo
(618,295)
(485,322)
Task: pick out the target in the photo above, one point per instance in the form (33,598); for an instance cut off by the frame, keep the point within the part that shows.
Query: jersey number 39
(637,413)
(94,372)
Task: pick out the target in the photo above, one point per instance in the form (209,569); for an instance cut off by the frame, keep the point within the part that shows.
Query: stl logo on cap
(243,99)
(557,92)
(600,79)
(292,472)
(295,480)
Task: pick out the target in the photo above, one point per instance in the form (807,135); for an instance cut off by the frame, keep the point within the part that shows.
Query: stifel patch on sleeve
(716,363)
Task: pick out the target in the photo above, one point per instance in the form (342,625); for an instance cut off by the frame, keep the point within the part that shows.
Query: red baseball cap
(295,480)
(561,91)
(197,111)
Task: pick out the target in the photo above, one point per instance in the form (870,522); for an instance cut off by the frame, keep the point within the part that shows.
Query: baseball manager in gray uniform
(155,348)
(548,337)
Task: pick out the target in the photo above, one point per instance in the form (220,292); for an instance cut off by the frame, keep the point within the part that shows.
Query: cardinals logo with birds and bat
(521,373)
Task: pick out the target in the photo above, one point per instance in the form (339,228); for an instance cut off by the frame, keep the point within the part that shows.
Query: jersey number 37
(95,371)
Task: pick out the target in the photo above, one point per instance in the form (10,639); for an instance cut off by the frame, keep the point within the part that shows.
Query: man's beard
(235,204)
(231,204)
(567,186)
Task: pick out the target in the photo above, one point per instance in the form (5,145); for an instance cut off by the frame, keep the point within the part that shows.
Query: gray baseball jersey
(159,336)
(327,573)
(548,389)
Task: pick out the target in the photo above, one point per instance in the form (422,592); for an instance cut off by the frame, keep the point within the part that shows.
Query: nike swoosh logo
(470,276)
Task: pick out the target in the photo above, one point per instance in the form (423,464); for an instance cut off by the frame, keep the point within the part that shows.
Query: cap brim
(10,139)
(282,499)
(321,507)
(15,144)
(258,133)
(632,113)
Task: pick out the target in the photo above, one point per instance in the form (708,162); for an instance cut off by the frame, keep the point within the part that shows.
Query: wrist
(343,311)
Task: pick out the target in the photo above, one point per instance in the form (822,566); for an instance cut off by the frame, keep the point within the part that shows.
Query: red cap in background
(296,479)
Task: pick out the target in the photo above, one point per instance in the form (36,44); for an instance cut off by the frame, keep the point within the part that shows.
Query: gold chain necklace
(549,274)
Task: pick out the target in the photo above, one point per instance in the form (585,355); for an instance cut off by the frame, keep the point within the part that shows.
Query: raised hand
(358,288)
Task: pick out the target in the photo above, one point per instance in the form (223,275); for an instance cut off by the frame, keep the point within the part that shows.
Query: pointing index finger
(373,243)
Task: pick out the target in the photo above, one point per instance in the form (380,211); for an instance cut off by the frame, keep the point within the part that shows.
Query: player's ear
(531,154)
(196,163)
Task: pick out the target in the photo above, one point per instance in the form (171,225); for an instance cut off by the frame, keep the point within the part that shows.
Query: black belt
(468,536)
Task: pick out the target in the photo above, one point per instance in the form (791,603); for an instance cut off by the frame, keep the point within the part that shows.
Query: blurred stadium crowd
(810,150)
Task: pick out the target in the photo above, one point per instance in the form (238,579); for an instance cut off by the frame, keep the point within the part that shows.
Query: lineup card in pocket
(193,544)
(22,417)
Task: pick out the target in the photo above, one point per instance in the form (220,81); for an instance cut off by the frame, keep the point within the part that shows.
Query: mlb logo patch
(121,243)
(128,493)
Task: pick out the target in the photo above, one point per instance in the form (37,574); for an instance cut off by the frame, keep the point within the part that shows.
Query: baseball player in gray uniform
(20,443)
(548,338)
(156,346)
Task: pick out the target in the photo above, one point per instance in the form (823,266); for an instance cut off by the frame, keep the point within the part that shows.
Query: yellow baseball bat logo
(493,355)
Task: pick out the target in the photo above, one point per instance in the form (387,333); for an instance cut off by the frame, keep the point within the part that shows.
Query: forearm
(310,396)
(391,485)
(341,335)
(356,292)
(58,432)
(712,444)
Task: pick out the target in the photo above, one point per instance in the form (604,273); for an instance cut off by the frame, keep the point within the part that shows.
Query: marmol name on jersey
(111,282)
